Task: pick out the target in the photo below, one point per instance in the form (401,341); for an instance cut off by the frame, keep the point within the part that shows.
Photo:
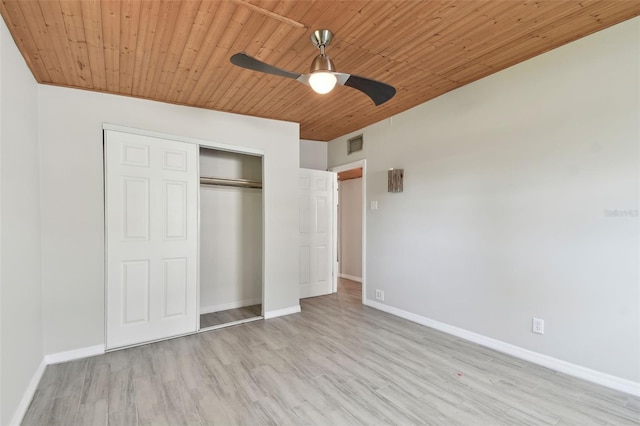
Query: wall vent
(355,144)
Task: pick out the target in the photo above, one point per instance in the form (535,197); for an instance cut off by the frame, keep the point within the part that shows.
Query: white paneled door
(151,187)
(317,233)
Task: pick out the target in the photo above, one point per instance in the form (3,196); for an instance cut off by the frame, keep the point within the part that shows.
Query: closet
(230,238)
(183,234)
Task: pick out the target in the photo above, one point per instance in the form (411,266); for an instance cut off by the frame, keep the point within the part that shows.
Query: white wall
(72,199)
(503,215)
(350,207)
(313,154)
(21,351)
(230,233)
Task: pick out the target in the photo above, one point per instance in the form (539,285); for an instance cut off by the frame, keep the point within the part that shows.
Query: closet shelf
(240,183)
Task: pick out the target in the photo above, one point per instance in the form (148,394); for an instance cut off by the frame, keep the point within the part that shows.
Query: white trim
(335,209)
(282,312)
(351,277)
(231,305)
(59,357)
(28,395)
(604,379)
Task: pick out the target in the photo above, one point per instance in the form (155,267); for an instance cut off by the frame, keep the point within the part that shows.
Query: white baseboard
(28,395)
(281,312)
(559,365)
(231,305)
(74,354)
(351,277)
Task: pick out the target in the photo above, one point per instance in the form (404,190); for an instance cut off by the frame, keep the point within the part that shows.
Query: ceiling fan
(323,77)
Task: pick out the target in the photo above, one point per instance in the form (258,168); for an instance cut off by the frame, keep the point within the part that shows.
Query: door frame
(342,168)
(200,143)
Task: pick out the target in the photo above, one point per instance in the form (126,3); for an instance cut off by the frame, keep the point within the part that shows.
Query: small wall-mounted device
(396,177)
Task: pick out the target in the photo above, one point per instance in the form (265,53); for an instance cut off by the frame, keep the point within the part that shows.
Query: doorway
(350,243)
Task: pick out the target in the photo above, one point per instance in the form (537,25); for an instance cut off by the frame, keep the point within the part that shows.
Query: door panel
(176,291)
(135,291)
(175,206)
(316,232)
(135,204)
(151,187)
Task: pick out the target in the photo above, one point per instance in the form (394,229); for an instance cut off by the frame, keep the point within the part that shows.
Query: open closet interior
(230,238)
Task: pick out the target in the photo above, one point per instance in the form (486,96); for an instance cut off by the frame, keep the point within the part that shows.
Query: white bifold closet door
(151,189)
(317,232)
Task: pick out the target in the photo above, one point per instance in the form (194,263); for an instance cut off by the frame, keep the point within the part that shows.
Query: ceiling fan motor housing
(322,63)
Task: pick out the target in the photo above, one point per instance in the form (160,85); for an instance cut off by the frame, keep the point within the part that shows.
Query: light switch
(374,205)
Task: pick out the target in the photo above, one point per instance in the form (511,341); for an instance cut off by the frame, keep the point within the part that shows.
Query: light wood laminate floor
(336,363)
(230,315)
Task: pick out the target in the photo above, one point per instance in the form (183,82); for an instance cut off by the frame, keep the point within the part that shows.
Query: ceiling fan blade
(245,61)
(378,92)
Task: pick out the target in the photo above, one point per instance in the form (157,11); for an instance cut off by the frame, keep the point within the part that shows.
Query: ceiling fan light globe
(322,82)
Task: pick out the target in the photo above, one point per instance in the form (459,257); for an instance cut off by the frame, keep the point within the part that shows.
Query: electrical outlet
(380,295)
(537,325)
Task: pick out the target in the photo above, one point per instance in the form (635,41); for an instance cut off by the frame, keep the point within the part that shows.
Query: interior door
(316,210)
(151,187)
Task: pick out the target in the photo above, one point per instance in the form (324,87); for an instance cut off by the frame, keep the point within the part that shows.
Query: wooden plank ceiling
(178,51)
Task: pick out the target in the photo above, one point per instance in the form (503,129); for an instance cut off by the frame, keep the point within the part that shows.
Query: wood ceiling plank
(209,76)
(27,44)
(160,27)
(92,26)
(195,40)
(110,18)
(165,55)
(194,81)
(298,12)
(372,21)
(149,12)
(129,26)
(186,16)
(440,28)
(74,29)
(597,16)
(542,40)
(53,18)
(270,14)
(251,25)
(461,52)
(32,14)
(278,43)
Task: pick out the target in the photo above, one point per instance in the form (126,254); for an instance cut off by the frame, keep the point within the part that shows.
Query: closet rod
(240,183)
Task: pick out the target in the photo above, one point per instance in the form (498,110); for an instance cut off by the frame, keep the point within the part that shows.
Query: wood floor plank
(335,363)
(95,413)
